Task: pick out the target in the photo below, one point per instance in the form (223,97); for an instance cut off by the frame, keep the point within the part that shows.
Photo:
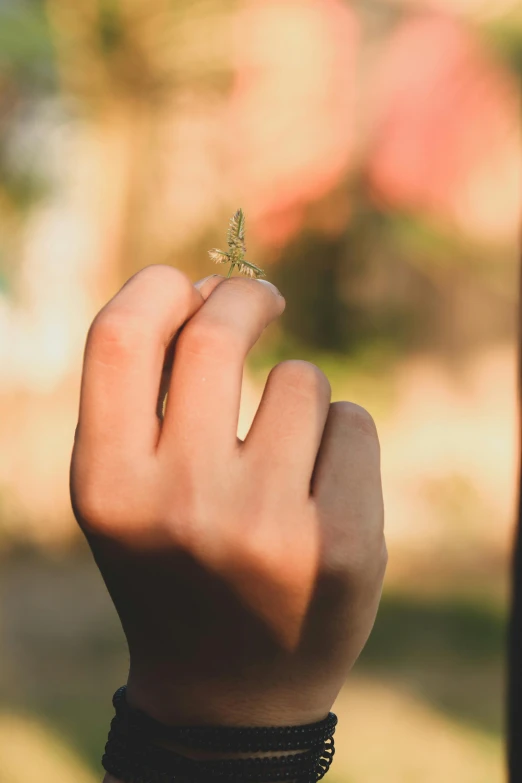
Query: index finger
(124,357)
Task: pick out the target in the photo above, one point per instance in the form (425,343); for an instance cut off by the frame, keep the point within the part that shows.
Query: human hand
(246,575)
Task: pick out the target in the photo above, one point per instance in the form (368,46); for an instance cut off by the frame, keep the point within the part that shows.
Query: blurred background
(375,148)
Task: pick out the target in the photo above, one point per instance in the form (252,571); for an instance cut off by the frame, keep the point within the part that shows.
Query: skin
(246,574)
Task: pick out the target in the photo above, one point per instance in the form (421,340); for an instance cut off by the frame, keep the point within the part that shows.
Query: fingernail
(201,282)
(272,286)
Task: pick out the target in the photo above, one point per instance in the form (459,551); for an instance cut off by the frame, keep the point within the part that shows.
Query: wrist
(224,703)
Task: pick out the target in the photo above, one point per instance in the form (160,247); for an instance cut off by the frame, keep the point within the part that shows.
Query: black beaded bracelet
(133,755)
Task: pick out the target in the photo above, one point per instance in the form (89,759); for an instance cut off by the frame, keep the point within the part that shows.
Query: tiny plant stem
(230,270)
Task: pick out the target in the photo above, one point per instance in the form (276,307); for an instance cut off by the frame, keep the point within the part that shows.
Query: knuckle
(100,510)
(367,557)
(357,556)
(118,327)
(354,416)
(90,508)
(111,336)
(163,275)
(204,337)
(302,376)
(246,285)
(260,294)
(359,561)
(355,544)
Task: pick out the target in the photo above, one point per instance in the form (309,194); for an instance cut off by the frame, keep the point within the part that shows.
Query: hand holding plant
(246,574)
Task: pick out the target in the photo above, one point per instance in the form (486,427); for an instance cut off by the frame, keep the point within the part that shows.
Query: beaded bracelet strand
(133,755)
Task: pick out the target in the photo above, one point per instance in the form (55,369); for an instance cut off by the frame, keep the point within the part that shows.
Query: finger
(205,286)
(208,284)
(124,356)
(204,395)
(346,485)
(284,438)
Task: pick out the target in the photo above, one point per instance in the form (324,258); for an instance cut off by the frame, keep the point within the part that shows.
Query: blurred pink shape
(291,127)
(446,129)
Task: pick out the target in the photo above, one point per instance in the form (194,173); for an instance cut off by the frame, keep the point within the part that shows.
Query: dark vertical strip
(514,706)
(515,665)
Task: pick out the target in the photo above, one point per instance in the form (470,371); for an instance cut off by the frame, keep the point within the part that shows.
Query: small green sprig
(236,249)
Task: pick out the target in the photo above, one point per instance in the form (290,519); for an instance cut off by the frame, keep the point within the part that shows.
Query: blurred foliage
(449,650)
(136,51)
(388,283)
(26,53)
(379,288)
(27,75)
(388,286)
(504,35)
(111,28)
